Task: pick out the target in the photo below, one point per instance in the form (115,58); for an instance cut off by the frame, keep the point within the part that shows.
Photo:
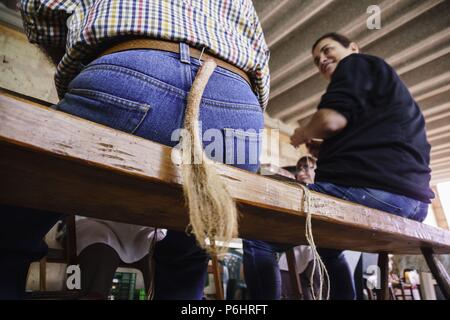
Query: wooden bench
(54,161)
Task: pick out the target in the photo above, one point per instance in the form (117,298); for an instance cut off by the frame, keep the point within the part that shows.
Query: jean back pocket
(104,108)
(242,148)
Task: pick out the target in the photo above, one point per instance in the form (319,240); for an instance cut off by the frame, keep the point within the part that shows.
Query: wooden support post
(383,264)
(402,289)
(427,286)
(293,274)
(71,245)
(217,278)
(438,271)
(43,274)
(392,293)
(439,214)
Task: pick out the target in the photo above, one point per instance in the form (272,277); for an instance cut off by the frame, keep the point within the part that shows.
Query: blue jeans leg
(179,251)
(377,199)
(21,242)
(342,286)
(261,271)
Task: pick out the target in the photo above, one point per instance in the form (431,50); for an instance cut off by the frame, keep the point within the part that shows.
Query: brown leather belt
(172,47)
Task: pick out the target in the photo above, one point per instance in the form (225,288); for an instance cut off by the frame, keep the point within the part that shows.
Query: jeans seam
(126,104)
(139,75)
(415,211)
(383,202)
(141,121)
(234,76)
(346,193)
(227,105)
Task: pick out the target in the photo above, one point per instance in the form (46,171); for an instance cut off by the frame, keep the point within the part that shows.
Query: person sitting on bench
(374,152)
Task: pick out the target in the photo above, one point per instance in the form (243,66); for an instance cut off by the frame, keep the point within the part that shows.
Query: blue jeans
(260,264)
(143,92)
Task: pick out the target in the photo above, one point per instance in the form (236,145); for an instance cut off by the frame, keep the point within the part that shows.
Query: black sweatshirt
(384,144)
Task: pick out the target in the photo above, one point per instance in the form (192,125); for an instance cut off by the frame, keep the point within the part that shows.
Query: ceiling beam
(433,93)
(429,112)
(271,11)
(432,138)
(296,21)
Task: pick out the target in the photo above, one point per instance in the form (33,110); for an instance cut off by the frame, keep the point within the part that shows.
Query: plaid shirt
(229,29)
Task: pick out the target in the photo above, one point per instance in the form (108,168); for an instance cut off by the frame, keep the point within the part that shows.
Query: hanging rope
(212,210)
(317,261)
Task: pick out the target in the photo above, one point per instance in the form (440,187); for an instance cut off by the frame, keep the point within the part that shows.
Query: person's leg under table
(98,263)
(21,242)
(261,270)
(342,286)
(181,267)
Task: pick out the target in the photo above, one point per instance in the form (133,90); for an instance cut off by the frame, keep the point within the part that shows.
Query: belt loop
(184,53)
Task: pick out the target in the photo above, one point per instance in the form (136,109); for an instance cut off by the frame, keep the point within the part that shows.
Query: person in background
(305,169)
(104,245)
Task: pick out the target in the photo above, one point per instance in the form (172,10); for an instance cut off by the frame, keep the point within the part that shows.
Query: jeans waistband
(183,49)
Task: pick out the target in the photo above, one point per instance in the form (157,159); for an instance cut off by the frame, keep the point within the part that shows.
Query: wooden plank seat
(54,161)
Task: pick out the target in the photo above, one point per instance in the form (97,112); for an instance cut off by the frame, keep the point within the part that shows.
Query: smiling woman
(368,121)
(329,50)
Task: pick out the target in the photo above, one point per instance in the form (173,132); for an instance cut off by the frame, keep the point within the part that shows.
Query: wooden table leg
(217,278)
(293,274)
(383,264)
(438,271)
(392,293)
(402,288)
(43,274)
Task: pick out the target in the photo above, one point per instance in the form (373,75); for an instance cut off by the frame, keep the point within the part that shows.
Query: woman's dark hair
(343,40)
(306,159)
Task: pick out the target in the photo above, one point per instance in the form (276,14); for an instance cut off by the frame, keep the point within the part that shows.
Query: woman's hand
(314,147)
(299,137)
